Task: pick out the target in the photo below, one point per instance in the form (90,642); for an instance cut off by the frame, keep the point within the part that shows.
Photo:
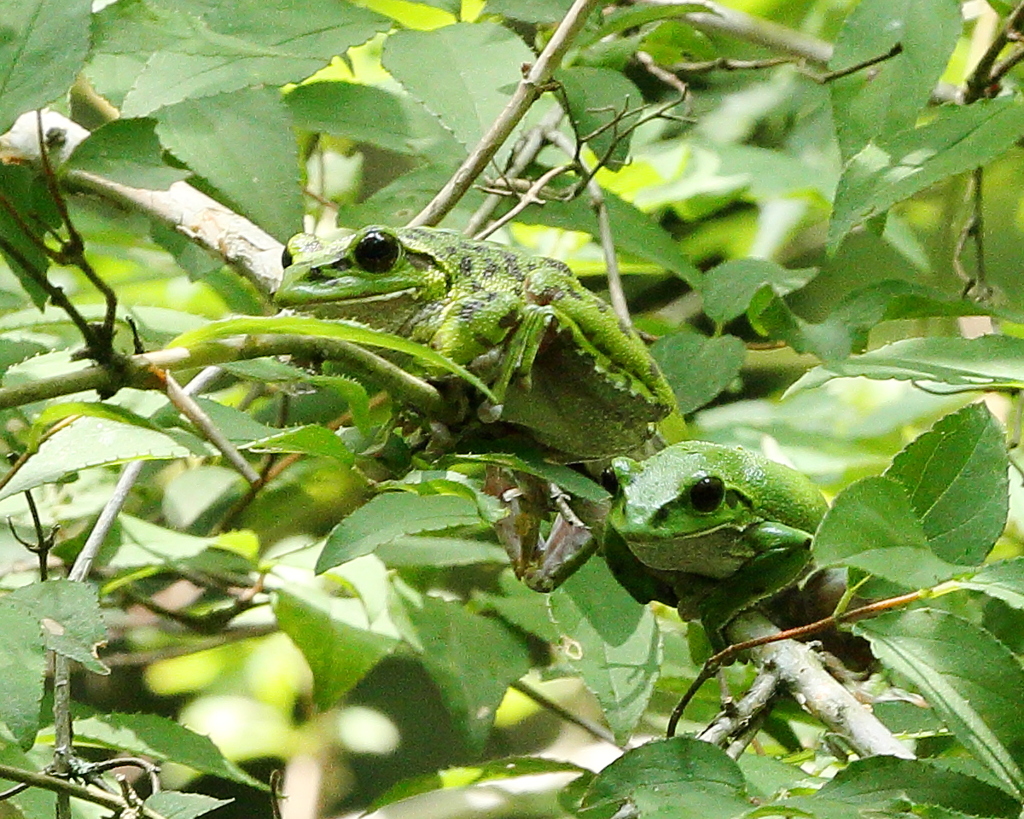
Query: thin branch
(63,786)
(529,197)
(982,79)
(524,153)
(525,95)
(188,407)
(594,729)
(73,251)
(139,369)
(611,260)
(746,641)
(741,720)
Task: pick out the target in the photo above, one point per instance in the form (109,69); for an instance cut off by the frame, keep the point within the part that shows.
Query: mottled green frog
(558,360)
(710,529)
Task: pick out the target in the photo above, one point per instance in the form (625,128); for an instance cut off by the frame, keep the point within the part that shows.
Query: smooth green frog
(709,528)
(559,362)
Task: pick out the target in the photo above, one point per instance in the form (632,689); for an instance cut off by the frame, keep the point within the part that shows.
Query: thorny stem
(525,94)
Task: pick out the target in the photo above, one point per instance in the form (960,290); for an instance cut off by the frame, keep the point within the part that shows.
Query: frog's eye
(377,251)
(286,257)
(707,494)
(610,480)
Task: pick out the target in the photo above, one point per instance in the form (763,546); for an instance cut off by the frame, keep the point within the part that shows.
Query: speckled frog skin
(560,363)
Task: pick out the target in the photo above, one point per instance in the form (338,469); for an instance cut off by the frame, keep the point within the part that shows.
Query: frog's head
(687,508)
(372,276)
(682,491)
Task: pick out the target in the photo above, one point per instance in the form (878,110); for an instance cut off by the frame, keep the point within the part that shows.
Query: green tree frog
(558,360)
(710,529)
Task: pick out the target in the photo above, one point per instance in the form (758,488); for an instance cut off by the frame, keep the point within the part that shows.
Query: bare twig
(72,251)
(188,407)
(976,286)
(594,729)
(596,195)
(527,198)
(63,787)
(524,153)
(741,719)
(525,94)
(983,80)
(831,76)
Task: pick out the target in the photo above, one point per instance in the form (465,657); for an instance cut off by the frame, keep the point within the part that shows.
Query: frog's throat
(716,553)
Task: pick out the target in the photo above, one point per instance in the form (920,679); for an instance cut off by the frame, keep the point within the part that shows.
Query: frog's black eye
(610,481)
(286,258)
(707,494)
(377,251)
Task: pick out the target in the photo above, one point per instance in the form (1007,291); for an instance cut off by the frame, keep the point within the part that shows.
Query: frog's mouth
(715,553)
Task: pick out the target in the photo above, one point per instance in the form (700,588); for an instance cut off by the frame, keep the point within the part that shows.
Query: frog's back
(783,494)
(474,265)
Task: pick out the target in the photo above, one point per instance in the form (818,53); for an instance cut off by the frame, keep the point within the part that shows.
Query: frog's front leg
(783,553)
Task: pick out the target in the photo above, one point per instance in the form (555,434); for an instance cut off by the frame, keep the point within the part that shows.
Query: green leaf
(178,805)
(392,515)
(334,636)
(678,777)
(887,97)
(164,739)
(472,659)
(463,74)
(1004,580)
(729,288)
(562,476)
(258,177)
(311,440)
(70,617)
(848,327)
(971,680)
(602,104)
(92,409)
(302,325)
(43,47)
(23,669)
(872,525)
(893,168)
(876,781)
(956,477)
(362,113)
(612,642)
(697,367)
(89,442)
(126,151)
(990,362)
(495,770)
(202,49)
(439,551)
